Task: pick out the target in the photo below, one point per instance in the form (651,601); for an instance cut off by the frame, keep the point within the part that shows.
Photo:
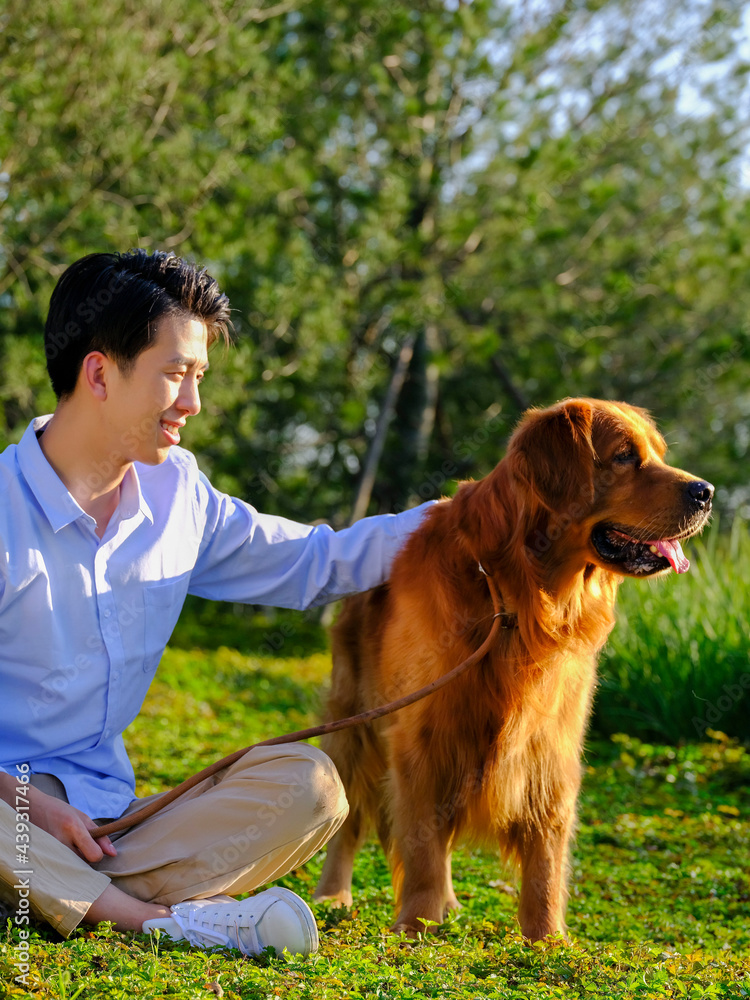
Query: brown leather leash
(500,620)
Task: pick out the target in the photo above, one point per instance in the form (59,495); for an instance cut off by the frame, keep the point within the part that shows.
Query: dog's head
(598,490)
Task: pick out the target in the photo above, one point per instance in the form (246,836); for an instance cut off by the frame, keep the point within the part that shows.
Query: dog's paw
(452,905)
(415,928)
(342,897)
(409,931)
(549,933)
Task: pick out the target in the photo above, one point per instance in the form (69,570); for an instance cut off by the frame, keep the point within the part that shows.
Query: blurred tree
(541,197)
(624,275)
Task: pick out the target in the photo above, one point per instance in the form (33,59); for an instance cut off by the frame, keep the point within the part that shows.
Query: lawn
(660,888)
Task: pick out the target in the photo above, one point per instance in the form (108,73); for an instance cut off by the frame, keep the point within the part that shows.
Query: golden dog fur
(578,502)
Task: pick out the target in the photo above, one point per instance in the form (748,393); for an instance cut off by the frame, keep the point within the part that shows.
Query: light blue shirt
(84,621)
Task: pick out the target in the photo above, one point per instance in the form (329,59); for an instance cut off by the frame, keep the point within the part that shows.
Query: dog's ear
(552,453)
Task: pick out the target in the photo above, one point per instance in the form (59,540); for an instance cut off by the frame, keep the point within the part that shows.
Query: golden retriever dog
(582,499)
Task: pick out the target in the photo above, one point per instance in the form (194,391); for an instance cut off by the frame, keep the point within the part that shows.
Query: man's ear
(552,454)
(94,374)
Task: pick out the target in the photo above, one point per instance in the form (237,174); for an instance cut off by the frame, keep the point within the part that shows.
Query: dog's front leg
(544,870)
(422,833)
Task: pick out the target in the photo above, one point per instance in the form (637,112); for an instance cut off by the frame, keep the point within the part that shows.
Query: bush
(677,662)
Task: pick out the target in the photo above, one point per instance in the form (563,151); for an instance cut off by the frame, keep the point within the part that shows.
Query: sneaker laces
(198,933)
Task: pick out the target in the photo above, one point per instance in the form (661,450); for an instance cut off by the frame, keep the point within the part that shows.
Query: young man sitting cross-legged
(106,525)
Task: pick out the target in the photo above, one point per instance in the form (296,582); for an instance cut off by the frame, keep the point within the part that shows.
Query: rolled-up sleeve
(255,558)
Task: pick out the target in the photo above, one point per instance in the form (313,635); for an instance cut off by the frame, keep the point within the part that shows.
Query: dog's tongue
(672,550)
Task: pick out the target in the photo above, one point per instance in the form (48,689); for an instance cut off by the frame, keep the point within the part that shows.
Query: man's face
(147,406)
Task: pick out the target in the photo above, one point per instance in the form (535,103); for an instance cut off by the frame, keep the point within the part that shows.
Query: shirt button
(107,614)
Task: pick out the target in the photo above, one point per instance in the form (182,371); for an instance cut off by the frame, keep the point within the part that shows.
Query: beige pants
(251,823)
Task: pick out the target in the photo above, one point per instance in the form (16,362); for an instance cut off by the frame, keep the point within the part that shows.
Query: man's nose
(189,398)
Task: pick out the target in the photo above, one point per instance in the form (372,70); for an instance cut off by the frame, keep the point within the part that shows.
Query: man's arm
(256,558)
(65,823)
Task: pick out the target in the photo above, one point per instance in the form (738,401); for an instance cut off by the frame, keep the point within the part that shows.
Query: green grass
(660,888)
(678,663)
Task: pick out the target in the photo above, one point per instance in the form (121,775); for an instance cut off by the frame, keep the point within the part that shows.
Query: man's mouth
(171,430)
(638,556)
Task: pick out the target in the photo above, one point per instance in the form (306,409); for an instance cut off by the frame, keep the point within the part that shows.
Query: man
(106,525)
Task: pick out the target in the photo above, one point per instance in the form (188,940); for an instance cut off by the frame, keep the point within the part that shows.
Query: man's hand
(68,825)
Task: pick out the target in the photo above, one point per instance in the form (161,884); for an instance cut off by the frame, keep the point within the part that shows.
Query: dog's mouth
(638,556)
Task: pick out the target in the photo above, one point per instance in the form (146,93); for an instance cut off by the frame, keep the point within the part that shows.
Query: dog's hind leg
(383,827)
(451,902)
(335,881)
(358,757)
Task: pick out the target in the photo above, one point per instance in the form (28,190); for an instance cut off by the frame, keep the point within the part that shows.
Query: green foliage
(660,895)
(210,624)
(544,216)
(677,663)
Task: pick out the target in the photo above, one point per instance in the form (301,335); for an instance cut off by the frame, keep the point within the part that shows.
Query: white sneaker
(276,917)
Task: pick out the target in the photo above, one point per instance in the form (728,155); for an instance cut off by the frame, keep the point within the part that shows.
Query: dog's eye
(627,455)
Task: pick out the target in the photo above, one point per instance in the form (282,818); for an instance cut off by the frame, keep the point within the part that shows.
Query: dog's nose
(700,492)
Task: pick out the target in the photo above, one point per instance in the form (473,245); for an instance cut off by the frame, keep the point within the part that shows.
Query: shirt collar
(59,505)
(132,500)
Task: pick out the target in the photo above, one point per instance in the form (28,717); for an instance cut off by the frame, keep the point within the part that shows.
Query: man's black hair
(111,302)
